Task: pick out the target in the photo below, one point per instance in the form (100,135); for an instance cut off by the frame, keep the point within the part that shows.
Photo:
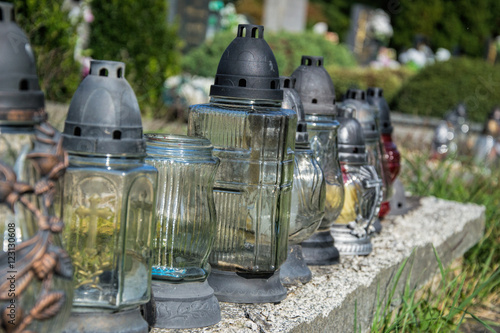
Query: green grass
(460,291)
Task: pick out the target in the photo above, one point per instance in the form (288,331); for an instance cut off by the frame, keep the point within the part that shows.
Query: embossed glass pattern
(308,195)
(14,146)
(185,211)
(108,209)
(254,141)
(322,131)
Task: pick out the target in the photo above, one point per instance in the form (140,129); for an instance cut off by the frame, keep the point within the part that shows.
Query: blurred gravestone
(286,15)
(192,18)
(369,30)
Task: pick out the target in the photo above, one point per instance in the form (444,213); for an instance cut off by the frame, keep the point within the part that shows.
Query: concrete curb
(328,302)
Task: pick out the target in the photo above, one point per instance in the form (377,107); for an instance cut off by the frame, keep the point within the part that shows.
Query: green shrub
(137,33)
(391,80)
(53,39)
(439,87)
(288,49)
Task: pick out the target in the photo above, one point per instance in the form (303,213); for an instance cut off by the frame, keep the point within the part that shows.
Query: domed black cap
(21,100)
(315,86)
(375,97)
(365,113)
(351,139)
(247,68)
(104,116)
(292,101)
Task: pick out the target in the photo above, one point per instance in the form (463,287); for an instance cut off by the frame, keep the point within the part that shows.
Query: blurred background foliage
(137,33)
(437,88)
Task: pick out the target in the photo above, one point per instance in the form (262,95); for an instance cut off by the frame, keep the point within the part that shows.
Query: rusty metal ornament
(38,258)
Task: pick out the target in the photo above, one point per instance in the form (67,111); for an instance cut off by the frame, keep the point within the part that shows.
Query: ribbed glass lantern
(308,193)
(368,116)
(317,93)
(108,203)
(362,188)
(186,225)
(254,139)
(390,154)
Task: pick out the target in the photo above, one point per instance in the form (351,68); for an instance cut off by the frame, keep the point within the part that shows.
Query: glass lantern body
(375,158)
(353,189)
(308,195)
(254,141)
(391,156)
(108,209)
(322,130)
(185,211)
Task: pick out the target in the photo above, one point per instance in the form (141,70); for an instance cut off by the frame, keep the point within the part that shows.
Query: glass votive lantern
(308,192)
(22,107)
(368,117)
(254,139)
(362,188)
(108,203)
(317,93)
(390,154)
(32,270)
(186,225)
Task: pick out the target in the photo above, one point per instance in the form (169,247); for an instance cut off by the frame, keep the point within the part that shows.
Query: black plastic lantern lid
(104,117)
(292,101)
(315,86)
(350,136)
(248,68)
(375,97)
(365,113)
(21,100)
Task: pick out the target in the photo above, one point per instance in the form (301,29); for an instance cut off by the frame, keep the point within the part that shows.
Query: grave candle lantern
(308,193)
(362,188)
(317,93)
(369,118)
(35,273)
(186,225)
(254,139)
(108,203)
(21,109)
(390,153)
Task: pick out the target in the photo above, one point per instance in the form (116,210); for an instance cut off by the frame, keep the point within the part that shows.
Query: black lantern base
(376,226)
(184,305)
(319,250)
(350,244)
(235,287)
(129,321)
(294,270)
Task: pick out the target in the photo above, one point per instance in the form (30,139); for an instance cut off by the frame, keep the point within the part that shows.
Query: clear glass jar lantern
(317,93)
(25,224)
(308,193)
(368,116)
(362,188)
(254,139)
(390,154)
(186,225)
(109,201)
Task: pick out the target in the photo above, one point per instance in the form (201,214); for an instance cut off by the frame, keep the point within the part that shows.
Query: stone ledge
(327,303)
